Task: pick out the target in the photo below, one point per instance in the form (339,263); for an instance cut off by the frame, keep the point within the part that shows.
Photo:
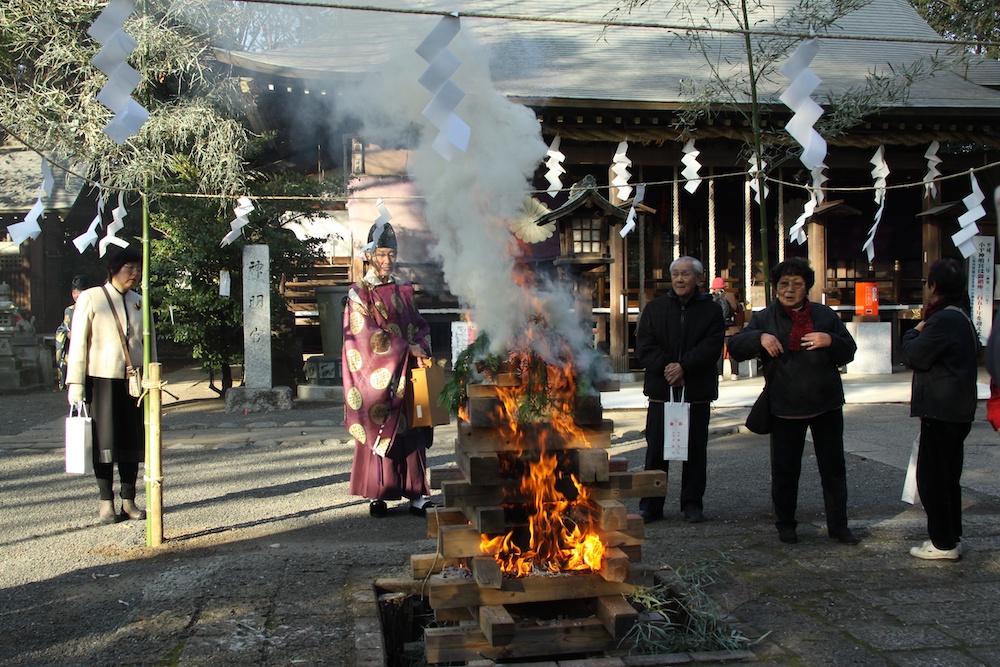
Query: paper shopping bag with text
(676,415)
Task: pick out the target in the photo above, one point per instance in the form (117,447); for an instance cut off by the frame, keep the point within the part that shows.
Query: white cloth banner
(981,285)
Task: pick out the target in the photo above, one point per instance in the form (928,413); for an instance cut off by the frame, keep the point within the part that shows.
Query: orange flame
(561,534)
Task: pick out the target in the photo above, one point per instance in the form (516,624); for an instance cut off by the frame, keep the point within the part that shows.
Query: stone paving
(812,603)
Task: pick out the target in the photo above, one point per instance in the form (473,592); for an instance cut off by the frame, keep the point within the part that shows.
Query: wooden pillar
(618,335)
(748,239)
(713,252)
(817,256)
(676,208)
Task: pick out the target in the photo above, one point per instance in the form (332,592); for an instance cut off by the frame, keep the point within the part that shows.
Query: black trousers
(939,473)
(787,443)
(694,475)
(128,471)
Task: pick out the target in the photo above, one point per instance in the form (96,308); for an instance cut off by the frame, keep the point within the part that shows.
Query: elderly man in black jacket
(678,340)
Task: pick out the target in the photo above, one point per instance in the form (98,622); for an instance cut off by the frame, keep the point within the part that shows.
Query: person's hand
(74,393)
(920,325)
(423,361)
(815,340)
(674,374)
(771,344)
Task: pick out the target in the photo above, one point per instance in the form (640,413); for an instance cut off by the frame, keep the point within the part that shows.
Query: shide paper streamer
(756,178)
(802,127)
(930,186)
(29,227)
(89,237)
(117,224)
(691,166)
(122,77)
(380,222)
(974,211)
(242,210)
(880,170)
(620,168)
(555,170)
(453,133)
(640,192)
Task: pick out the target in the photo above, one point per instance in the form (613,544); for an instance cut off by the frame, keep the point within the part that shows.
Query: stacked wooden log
(485,613)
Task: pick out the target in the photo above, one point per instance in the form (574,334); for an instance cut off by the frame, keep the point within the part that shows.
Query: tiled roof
(561,61)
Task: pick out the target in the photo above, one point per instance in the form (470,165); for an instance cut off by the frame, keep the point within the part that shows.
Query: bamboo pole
(154,462)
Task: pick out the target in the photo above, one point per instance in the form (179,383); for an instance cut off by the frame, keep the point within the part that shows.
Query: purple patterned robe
(380,323)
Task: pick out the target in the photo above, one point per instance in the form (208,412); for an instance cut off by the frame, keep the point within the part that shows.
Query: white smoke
(471,199)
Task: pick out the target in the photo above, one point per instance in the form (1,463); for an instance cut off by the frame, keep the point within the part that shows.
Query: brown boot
(130,510)
(107,512)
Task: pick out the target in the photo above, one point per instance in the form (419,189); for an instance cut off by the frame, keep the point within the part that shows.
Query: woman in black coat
(802,345)
(942,351)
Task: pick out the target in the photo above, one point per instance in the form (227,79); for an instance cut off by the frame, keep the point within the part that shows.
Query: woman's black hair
(794,266)
(79,283)
(121,258)
(947,275)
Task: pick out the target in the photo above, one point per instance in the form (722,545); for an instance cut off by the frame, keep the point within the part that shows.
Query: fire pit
(534,543)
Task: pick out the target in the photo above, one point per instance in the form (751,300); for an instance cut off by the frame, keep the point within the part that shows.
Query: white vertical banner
(981,285)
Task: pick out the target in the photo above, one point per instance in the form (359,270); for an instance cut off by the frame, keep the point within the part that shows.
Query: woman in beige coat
(96,373)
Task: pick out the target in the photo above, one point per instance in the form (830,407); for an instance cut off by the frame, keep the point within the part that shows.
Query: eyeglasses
(795,286)
(133,268)
(384,254)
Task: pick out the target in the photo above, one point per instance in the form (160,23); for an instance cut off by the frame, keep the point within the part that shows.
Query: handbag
(760,420)
(132,375)
(676,424)
(79,441)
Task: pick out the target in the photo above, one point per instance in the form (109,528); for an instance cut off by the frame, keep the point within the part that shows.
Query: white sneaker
(734,376)
(927,551)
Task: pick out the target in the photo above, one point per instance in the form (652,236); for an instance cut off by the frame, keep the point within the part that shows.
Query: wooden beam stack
(485,614)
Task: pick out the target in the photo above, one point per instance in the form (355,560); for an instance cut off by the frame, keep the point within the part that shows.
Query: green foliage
(455,393)
(48,89)
(966,20)
(187,260)
(677,615)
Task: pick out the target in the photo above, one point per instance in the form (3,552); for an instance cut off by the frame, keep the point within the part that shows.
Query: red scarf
(801,325)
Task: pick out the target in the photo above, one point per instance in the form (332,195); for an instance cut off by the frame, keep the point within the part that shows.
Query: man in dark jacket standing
(942,352)
(678,340)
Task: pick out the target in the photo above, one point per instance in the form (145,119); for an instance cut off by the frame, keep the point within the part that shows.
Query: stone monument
(257,394)
(19,359)
(323,374)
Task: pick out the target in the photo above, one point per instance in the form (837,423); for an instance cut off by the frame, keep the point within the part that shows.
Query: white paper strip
(224,282)
(619,167)
(974,211)
(123,79)
(116,225)
(453,132)
(640,192)
(380,222)
(691,166)
(242,210)
(554,167)
(757,178)
(89,237)
(797,233)
(930,184)
(29,228)
(805,110)
(880,170)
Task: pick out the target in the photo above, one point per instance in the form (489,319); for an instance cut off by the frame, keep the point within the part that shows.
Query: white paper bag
(910,494)
(79,441)
(676,415)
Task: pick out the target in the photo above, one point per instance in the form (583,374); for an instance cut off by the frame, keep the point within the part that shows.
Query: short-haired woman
(96,372)
(802,345)
(942,351)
